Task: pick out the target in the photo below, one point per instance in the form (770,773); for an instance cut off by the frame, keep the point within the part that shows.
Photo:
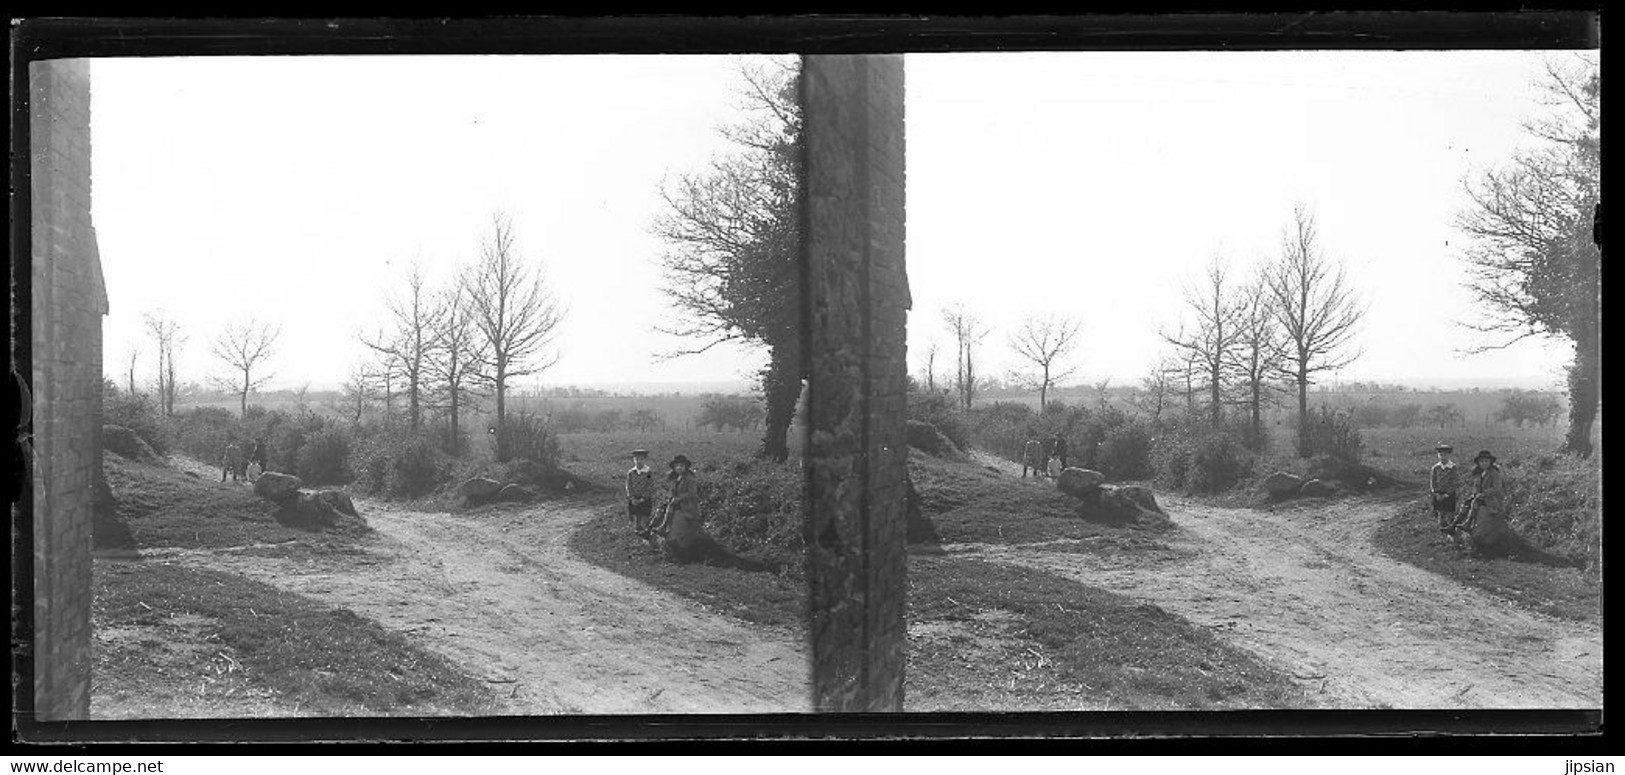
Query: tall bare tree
(1156,387)
(516,316)
(1317,309)
(733,237)
(409,338)
(1533,239)
(968,331)
(1043,342)
(1210,341)
(166,337)
(1256,359)
(358,395)
(931,368)
(245,347)
(135,354)
(456,350)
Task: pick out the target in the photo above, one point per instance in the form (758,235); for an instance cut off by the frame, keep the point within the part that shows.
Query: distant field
(604,457)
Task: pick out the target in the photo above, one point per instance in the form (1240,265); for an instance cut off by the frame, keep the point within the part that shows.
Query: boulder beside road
(479,488)
(277,486)
(1282,484)
(1317,487)
(1079,482)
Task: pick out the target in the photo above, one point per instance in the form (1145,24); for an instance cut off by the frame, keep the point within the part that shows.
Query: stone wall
(858,301)
(69,300)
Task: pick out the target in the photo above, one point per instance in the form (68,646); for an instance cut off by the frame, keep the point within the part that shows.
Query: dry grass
(991,637)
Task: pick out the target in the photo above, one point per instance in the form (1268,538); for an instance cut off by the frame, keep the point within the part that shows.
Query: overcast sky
(297,189)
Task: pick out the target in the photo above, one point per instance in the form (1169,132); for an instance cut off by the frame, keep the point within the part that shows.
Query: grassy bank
(986,636)
(175,642)
(1553,503)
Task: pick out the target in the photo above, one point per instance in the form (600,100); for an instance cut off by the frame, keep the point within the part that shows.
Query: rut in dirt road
(501,595)
(1307,590)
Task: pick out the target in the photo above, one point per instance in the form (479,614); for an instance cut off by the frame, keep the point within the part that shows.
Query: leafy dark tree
(733,243)
(1532,228)
(644,420)
(1528,406)
(515,316)
(1317,309)
(1445,415)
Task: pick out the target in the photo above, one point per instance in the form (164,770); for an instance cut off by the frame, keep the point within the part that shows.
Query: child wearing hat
(1444,481)
(640,492)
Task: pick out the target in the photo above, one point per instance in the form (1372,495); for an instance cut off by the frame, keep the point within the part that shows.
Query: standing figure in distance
(640,493)
(1444,481)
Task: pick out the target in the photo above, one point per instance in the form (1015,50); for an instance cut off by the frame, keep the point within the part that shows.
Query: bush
(529,438)
(1125,452)
(925,437)
(137,413)
(939,411)
(203,432)
(416,468)
(325,457)
(1202,460)
(756,510)
(1332,433)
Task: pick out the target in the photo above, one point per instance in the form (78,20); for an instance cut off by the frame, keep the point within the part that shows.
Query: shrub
(925,437)
(416,468)
(1332,433)
(937,410)
(1218,461)
(137,413)
(529,438)
(756,510)
(1201,459)
(1125,452)
(202,432)
(324,458)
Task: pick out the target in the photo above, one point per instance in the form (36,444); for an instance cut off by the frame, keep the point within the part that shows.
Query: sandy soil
(1307,590)
(503,597)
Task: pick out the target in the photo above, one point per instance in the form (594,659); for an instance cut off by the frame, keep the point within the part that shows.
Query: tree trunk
(1043,390)
(502,413)
(781,387)
(1584,376)
(243,413)
(1258,414)
(1303,412)
(1217,411)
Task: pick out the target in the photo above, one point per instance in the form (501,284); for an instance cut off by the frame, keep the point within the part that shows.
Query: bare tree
(968,331)
(1533,240)
(1157,387)
(166,337)
(1258,352)
(931,368)
(135,353)
(245,347)
(357,394)
(1043,342)
(456,350)
(515,315)
(409,339)
(1317,309)
(1209,343)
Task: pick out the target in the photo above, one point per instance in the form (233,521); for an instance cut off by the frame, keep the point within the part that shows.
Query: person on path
(1057,449)
(232,462)
(1032,454)
(640,492)
(682,512)
(1444,482)
(1486,490)
(257,454)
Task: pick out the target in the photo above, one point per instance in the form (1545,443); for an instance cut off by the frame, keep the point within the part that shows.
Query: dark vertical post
(857,305)
(67,307)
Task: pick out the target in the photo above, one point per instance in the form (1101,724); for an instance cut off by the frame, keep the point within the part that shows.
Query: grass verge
(986,636)
(172,638)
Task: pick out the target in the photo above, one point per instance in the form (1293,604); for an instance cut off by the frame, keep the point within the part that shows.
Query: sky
(1092,185)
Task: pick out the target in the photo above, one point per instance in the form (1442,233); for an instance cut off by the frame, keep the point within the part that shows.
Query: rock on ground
(338,501)
(1315,487)
(320,511)
(480,487)
(125,443)
(513,492)
(1079,482)
(1281,484)
(277,486)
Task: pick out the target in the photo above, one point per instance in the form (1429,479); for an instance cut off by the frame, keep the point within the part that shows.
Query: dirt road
(1307,590)
(502,596)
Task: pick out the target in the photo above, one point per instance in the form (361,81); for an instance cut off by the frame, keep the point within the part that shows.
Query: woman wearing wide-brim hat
(1486,491)
(680,519)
